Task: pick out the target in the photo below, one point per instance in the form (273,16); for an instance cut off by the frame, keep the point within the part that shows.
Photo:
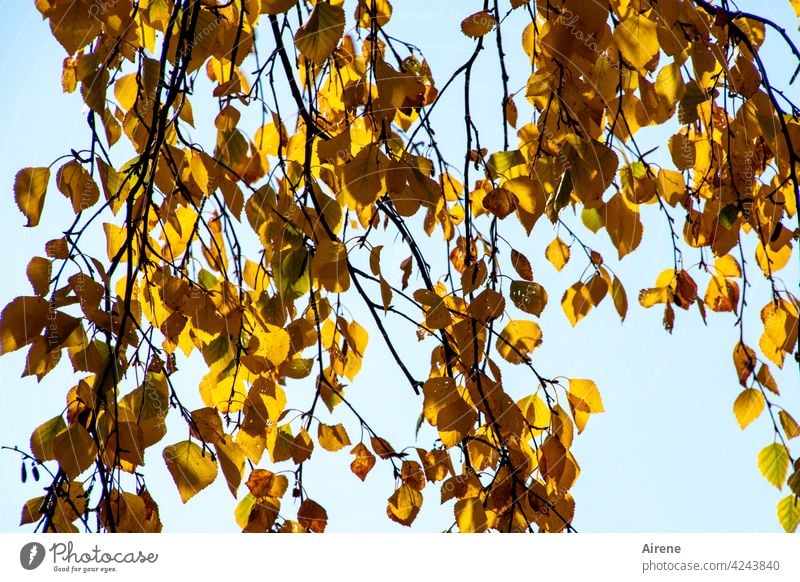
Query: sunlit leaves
(191,468)
(478,24)
(788,511)
(21,321)
(637,41)
(74,182)
(470,515)
(748,406)
(30,186)
(363,461)
(789,424)
(320,34)
(557,253)
(74,22)
(404,505)
(43,436)
(773,462)
(74,449)
(518,339)
(332,438)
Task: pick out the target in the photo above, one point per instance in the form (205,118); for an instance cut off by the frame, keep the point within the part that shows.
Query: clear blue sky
(667,455)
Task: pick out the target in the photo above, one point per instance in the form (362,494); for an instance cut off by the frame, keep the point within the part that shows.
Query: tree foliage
(258,250)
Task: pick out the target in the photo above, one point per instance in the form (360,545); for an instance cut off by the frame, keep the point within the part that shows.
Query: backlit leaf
(363,462)
(320,34)
(470,515)
(557,253)
(773,462)
(518,339)
(332,438)
(748,406)
(30,186)
(404,505)
(478,24)
(191,468)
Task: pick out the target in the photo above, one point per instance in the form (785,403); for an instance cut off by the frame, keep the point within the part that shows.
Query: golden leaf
(320,34)
(577,302)
(518,339)
(363,462)
(637,40)
(789,424)
(30,185)
(21,321)
(478,24)
(557,252)
(191,468)
(74,449)
(332,438)
(748,406)
(404,505)
(470,515)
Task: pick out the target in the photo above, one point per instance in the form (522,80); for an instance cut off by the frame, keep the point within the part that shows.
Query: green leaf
(789,513)
(773,462)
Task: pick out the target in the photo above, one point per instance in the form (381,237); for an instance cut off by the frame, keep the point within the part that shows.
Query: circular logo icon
(31,555)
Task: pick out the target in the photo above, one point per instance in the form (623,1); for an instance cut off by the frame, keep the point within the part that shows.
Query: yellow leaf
(478,24)
(330,266)
(74,449)
(191,468)
(722,295)
(455,421)
(363,462)
(789,508)
(30,186)
(780,324)
(39,271)
(637,40)
(773,462)
(74,182)
(436,464)
(332,438)
(623,225)
(470,515)
(789,424)
(320,34)
(557,253)
(231,460)
(367,10)
(276,6)
(518,339)
(312,516)
(764,376)
(42,438)
(437,393)
(584,395)
(620,298)
(74,22)
(22,321)
(727,266)
(748,406)
(404,505)
(577,302)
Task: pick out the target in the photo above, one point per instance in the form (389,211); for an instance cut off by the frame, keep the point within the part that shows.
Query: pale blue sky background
(667,455)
